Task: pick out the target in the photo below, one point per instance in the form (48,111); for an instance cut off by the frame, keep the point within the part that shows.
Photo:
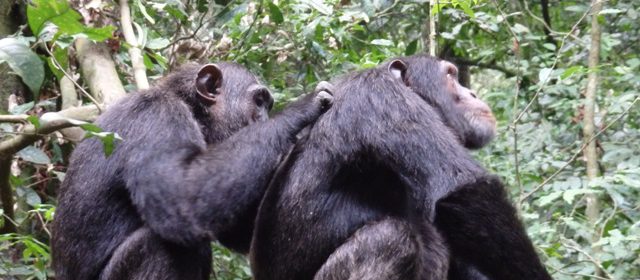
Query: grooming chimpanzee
(383,187)
(197,154)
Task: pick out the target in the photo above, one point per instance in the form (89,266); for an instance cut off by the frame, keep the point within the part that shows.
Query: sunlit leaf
(64,17)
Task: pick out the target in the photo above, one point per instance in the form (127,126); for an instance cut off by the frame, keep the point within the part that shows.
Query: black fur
(382,156)
(184,174)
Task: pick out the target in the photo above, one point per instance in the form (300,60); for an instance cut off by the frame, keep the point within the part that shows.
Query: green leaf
(467,9)
(176,13)
(50,214)
(31,197)
(570,71)
(549,46)
(411,48)
(23,62)
(143,10)
(109,140)
(108,143)
(320,6)
(276,14)
(61,56)
(610,11)
(157,43)
(98,34)
(89,127)
(35,155)
(549,198)
(42,11)
(66,19)
(544,74)
(382,42)
(569,195)
(34,120)
(202,5)
(147,61)
(21,109)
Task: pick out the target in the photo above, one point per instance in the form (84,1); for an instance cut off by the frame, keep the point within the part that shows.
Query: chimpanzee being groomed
(383,187)
(196,156)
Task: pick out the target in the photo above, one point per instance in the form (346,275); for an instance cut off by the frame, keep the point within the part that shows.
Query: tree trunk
(429,39)
(11,17)
(593,207)
(99,71)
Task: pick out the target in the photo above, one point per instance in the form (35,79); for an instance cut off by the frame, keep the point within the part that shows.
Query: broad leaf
(35,155)
(62,15)
(23,62)
(276,14)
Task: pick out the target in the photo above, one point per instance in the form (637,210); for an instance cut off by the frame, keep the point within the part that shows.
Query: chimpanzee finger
(325,86)
(326,99)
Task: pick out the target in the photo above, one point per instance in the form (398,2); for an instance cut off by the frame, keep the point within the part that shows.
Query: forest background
(561,77)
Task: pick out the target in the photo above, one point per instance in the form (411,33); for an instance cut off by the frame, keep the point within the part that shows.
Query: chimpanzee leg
(482,228)
(143,255)
(387,250)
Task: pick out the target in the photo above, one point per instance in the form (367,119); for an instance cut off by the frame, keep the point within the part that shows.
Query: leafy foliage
(532,73)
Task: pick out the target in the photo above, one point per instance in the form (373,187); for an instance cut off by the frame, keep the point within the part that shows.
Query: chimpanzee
(383,187)
(196,157)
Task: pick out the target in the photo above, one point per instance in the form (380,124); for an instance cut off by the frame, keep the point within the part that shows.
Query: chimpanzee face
(481,124)
(233,95)
(436,81)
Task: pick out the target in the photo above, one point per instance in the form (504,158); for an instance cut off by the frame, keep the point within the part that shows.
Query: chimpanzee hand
(324,91)
(314,104)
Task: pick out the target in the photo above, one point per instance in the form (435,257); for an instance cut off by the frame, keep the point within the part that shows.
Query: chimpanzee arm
(476,218)
(186,192)
(481,227)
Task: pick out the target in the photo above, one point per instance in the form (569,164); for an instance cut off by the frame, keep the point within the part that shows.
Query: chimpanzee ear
(208,83)
(398,69)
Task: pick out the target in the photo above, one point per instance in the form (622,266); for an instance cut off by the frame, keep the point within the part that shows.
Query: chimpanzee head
(225,97)
(436,81)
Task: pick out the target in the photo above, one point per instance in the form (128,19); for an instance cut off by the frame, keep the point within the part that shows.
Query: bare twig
(546,26)
(432,28)
(68,76)
(518,75)
(13,118)
(577,153)
(44,225)
(246,33)
(190,36)
(31,134)
(553,66)
(566,243)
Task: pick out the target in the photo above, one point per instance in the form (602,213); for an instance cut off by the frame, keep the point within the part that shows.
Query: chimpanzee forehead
(236,76)
(232,70)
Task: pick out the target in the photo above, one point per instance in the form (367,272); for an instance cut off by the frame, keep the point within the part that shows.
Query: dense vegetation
(574,171)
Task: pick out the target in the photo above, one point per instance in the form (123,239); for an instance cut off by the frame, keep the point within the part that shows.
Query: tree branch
(135,53)
(99,71)
(30,134)
(6,196)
